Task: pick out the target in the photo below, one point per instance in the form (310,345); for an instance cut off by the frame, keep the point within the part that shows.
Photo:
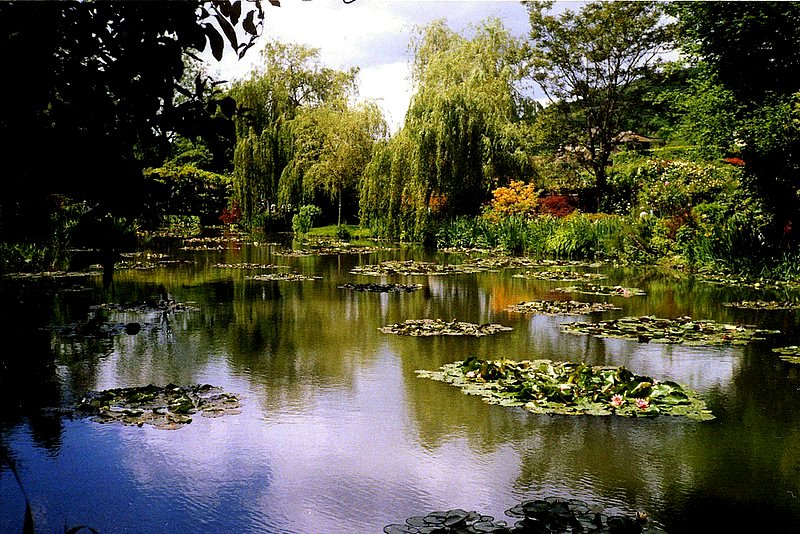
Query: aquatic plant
(789,354)
(167,407)
(591,289)
(412,268)
(382,288)
(763,305)
(568,388)
(437,327)
(282,277)
(561,276)
(562,307)
(680,330)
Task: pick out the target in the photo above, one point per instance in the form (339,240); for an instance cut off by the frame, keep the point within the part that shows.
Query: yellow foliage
(518,198)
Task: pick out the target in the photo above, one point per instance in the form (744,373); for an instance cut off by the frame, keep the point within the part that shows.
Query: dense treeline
(635,154)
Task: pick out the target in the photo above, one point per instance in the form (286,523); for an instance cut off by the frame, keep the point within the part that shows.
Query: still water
(338,435)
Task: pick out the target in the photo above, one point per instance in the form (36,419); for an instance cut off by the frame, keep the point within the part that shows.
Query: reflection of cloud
(700,368)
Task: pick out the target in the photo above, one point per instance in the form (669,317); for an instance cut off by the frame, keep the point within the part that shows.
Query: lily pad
(413,268)
(169,407)
(764,305)
(561,276)
(382,288)
(330,251)
(283,277)
(511,262)
(683,330)
(789,354)
(734,280)
(550,515)
(437,327)
(591,289)
(247,266)
(562,307)
(567,388)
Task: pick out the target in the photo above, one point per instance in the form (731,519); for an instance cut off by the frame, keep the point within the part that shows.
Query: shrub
(518,198)
(558,205)
(303,220)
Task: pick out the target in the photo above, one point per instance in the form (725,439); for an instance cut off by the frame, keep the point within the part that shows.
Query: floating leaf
(680,330)
(568,388)
(283,277)
(382,288)
(561,307)
(167,407)
(561,276)
(789,354)
(591,289)
(764,305)
(437,327)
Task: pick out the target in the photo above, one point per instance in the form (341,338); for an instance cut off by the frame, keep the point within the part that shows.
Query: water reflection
(339,435)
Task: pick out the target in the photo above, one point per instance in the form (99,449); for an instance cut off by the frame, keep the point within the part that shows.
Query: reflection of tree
(28,383)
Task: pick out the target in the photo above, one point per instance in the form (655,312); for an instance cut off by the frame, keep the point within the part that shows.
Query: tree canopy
(93,98)
(289,78)
(753,49)
(586,62)
(462,136)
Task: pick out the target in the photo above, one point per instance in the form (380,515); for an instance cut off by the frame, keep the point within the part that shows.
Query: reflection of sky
(337,435)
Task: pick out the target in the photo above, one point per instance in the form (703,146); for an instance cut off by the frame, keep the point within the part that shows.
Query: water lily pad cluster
(573,515)
(511,262)
(569,388)
(609,291)
(789,354)
(98,329)
(683,330)
(561,276)
(438,327)
(169,407)
(140,260)
(283,277)
(413,268)
(764,305)
(160,306)
(562,307)
(547,516)
(734,280)
(382,288)
(246,266)
(446,521)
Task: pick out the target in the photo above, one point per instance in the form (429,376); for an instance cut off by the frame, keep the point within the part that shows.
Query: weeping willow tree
(333,144)
(291,77)
(465,133)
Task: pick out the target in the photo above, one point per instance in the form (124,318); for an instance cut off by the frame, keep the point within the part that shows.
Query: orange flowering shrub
(518,198)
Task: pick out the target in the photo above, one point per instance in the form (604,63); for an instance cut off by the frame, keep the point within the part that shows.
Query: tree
(464,132)
(333,144)
(586,62)
(753,48)
(290,77)
(97,102)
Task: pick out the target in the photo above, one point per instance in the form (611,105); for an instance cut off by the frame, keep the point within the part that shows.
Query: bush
(303,220)
(558,205)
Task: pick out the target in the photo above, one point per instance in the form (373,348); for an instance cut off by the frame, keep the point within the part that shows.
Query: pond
(335,432)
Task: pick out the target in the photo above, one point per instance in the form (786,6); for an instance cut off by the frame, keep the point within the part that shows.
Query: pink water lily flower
(642,404)
(616,400)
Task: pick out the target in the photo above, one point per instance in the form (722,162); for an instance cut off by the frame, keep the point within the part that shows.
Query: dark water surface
(337,433)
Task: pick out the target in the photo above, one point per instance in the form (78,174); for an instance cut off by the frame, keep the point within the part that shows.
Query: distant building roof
(632,137)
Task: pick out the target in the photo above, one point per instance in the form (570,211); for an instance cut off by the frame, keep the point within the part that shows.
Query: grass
(332,230)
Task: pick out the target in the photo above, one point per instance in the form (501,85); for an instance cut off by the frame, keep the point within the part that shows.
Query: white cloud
(390,86)
(370,34)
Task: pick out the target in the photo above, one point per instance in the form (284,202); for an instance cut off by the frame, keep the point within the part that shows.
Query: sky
(372,35)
